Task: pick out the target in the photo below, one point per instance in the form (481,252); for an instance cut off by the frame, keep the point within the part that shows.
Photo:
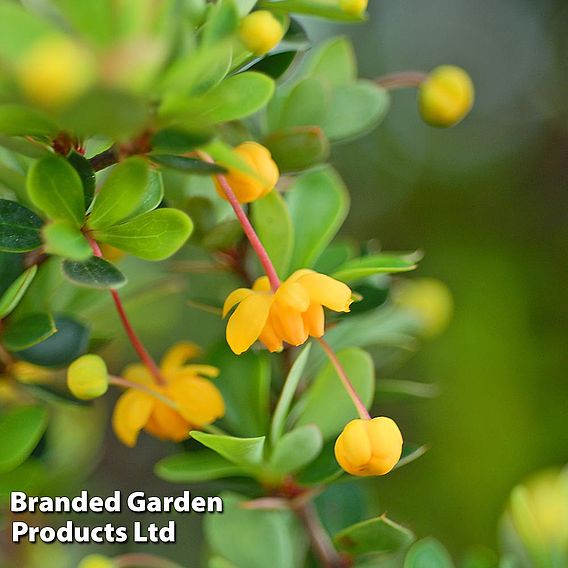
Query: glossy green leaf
(375,535)
(305,105)
(355,109)
(11,267)
(28,331)
(287,395)
(328,9)
(64,239)
(322,194)
(153,194)
(121,193)
(428,553)
(255,538)
(327,392)
(17,120)
(95,273)
(54,186)
(245,452)
(12,296)
(195,467)
(275,64)
(87,175)
(177,141)
(156,235)
(299,148)
(19,228)
(188,165)
(237,97)
(363,267)
(334,62)
(296,449)
(272,222)
(70,341)
(20,431)
(244,382)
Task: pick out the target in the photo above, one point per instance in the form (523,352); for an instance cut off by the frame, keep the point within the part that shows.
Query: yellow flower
(96,561)
(87,377)
(55,71)
(291,314)
(186,402)
(260,32)
(369,447)
(446,96)
(353,7)
(28,373)
(246,187)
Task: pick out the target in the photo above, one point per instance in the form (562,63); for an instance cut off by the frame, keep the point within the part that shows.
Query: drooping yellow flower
(369,447)
(446,96)
(246,187)
(291,314)
(260,32)
(353,7)
(187,401)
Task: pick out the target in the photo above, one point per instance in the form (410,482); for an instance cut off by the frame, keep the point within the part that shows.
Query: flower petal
(199,400)
(294,296)
(138,373)
(262,284)
(167,424)
(131,413)
(270,338)
(288,324)
(314,320)
(178,355)
(327,291)
(234,298)
(248,320)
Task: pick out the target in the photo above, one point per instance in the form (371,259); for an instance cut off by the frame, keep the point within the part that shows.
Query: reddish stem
(361,408)
(405,79)
(145,357)
(248,229)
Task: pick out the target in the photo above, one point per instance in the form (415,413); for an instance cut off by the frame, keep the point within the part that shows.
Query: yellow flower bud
(353,7)
(54,72)
(260,32)
(246,187)
(369,447)
(446,96)
(96,561)
(87,377)
(431,300)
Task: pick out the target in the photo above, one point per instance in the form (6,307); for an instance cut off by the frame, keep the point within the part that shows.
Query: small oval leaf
(95,273)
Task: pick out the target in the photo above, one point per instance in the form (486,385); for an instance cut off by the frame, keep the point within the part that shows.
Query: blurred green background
(487,201)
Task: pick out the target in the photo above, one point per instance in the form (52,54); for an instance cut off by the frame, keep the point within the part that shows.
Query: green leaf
(12,296)
(296,449)
(153,194)
(244,382)
(327,392)
(223,236)
(272,222)
(428,553)
(275,64)
(20,431)
(14,181)
(395,390)
(87,175)
(19,228)
(188,165)
(299,148)
(245,452)
(70,341)
(195,467)
(17,120)
(410,452)
(306,105)
(287,395)
(363,267)
(90,18)
(235,98)
(54,186)
(95,273)
(324,469)
(328,9)
(32,149)
(156,235)
(355,110)
(121,194)
(322,193)
(64,239)
(255,538)
(375,535)
(334,62)
(177,141)
(28,331)
(221,23)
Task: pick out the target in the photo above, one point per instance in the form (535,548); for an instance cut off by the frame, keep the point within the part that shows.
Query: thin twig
(402,80)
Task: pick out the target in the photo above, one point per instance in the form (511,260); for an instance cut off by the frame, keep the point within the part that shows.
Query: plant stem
(358,403)
(321,544)
(143,561)
(247,228)
(145,357)
(104,159)
(406,79)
